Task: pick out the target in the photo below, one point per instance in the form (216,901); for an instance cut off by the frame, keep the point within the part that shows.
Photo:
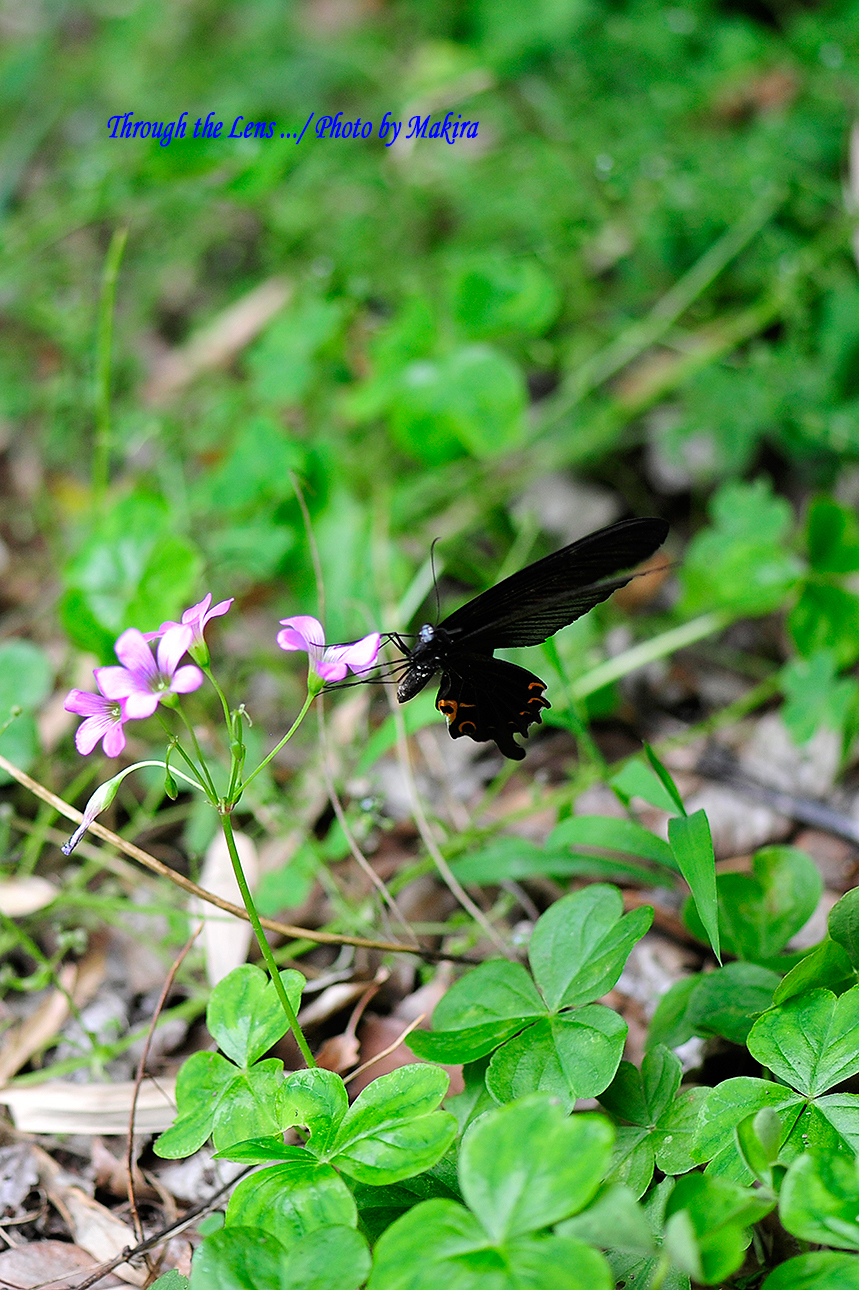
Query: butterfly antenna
(435,580)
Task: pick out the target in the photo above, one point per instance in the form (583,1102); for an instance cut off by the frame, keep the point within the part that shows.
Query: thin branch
(386,1052)
(138,1079)
(157,866)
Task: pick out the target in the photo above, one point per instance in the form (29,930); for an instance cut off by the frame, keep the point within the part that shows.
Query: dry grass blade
(218,343)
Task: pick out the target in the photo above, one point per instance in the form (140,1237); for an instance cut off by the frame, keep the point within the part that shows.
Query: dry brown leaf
(342,1051)
(331,1000)
(638,593)
(218,343)
(21,896)
(61,1107)
(19,1174)
(339,1053)
(80,980)
(379,1033)
(48,1265)
(94,1227)
(111,1173)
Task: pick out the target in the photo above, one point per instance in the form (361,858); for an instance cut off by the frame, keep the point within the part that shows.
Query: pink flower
(196,618)
(142,681)
(331,664)
(104,718)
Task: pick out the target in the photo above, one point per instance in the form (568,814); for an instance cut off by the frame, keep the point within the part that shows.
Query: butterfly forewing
(533,604)
(486,698)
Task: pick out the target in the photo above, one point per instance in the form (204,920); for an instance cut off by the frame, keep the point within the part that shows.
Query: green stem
(103,436)
(311,695)
(202,779)
(202,768)
(195,783)
(265,948)
(226,707)
(648,651)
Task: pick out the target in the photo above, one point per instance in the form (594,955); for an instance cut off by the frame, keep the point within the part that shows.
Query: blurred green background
(638,277)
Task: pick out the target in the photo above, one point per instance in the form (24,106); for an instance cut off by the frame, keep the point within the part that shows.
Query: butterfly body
(486,698)
(425,660)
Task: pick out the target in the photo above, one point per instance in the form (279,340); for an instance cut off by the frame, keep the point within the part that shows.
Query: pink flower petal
(115,682)
(83,703)
(89,732)
(140,704)
(362,655)
(154,636)
(220,608)
(330,669)
(302,632)
(186,679)
(173,644)
(197,613)
(135,655)
(114,740)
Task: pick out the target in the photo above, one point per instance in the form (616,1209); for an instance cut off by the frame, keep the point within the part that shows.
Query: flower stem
(201,760)
(265,761)
(202,779)
(265,948)
(226,707)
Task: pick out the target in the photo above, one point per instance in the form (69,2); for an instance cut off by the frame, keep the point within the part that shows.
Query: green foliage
(473,399)
(251,1258)
(574,847)
(657,1124)
(521,1168)
(544,1033)
(231,1100)
(707,1222)
(692,845)
(132,570)
(815,696)
(820,1200)
(825,616)
(809,1044)
(25,683)
(515,1188)
(761,911)
(742,561)
(495,297)
(430,288)
(724,1002)
(821,1271)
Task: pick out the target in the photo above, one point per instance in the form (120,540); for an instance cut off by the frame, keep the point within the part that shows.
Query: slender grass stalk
(648,651)
(103,431)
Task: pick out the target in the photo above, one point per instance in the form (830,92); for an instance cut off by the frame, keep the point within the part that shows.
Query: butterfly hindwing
(488,698)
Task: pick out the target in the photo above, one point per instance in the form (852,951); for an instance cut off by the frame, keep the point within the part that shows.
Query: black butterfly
(486,698)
